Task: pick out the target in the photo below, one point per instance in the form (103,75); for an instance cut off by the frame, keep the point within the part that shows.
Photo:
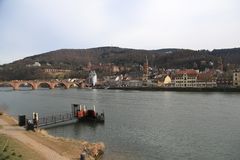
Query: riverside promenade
(19,134)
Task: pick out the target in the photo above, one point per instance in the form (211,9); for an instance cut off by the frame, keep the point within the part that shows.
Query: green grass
(11,149)
(7,151)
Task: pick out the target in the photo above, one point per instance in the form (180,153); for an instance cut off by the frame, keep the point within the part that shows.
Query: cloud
(30,27)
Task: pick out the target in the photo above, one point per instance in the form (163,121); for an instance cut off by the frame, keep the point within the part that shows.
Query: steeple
(146,60)
(89,66)
(145,70)
(220,63)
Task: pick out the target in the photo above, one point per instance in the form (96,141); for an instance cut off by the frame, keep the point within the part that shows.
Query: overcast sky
(29,27)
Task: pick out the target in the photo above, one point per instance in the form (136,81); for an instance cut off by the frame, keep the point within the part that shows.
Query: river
(144,125)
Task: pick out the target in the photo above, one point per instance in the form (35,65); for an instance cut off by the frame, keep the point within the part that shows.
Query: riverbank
(15,150)
(219,89)
(46,146)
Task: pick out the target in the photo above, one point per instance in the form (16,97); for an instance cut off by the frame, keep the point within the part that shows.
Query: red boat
(87,115)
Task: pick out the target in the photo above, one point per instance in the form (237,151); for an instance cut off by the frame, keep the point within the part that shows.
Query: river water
(144,125)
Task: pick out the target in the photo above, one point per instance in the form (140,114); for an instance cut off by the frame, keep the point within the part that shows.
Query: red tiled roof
(187,71)
(207,76)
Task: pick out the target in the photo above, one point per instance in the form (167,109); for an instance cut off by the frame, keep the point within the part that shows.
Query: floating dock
(79,113)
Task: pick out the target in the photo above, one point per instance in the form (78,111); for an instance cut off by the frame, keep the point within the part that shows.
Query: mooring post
(83,156)
(43,120)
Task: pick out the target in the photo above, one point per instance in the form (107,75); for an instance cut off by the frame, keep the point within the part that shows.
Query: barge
(87,115)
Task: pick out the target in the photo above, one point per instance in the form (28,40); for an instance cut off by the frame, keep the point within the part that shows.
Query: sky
(30,27)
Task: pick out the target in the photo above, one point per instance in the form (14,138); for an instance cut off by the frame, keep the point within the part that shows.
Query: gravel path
(18,133)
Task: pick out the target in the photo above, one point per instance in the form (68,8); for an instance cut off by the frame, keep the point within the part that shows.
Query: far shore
(175,89)
(217,89)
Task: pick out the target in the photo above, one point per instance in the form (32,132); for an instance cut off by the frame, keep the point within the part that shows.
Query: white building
(193,79)
(36,64)
(93,78)
(132,83)
(186,78)
(236,79)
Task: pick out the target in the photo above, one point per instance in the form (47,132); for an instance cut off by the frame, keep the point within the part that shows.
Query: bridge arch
(63,84)
(7,84)
(74,85)
(45,83)
(79,84)
(16,86)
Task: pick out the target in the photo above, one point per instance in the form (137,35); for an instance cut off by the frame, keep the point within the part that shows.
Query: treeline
(77,59)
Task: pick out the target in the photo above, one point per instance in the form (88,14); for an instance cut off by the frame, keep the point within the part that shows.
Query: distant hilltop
(76,61)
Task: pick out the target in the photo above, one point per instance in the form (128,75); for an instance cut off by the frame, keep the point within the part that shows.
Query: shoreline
(67,148)
(177,89)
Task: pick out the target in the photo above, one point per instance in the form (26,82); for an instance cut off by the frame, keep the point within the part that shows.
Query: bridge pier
(83,85)
(15,88)
(34,86)
(67,86)
(52,85)
(15,85)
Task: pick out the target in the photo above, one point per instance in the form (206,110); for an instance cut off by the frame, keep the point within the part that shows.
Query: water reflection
(144,125)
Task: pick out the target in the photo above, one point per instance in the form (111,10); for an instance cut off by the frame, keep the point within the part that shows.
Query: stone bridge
(51,84)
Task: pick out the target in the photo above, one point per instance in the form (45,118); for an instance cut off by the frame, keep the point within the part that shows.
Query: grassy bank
(12,149)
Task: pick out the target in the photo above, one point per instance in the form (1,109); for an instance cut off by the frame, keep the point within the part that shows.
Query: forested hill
(118,56)
(170,58)
(75,59)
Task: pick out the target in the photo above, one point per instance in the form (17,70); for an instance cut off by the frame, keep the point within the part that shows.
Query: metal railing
(55,119)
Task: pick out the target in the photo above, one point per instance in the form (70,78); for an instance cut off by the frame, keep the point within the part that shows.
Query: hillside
(76,59)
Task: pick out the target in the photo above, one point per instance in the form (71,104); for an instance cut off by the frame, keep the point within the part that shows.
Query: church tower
(220,64)
(145,71)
